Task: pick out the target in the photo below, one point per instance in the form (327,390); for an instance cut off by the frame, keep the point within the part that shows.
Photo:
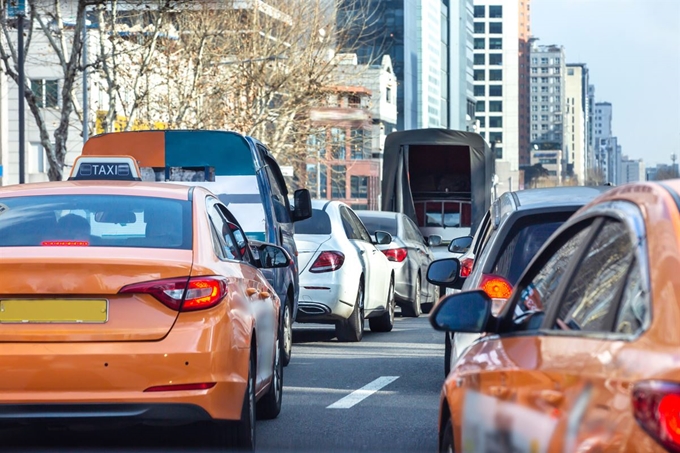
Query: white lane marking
(364,392)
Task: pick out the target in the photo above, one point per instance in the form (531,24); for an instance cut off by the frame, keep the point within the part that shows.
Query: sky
(632,49)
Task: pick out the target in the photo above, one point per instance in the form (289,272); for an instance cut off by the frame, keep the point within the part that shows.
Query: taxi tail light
(656,407)
(181,387)
(397,255)
(496,287)
(466,267)
(184,293)
(327,262)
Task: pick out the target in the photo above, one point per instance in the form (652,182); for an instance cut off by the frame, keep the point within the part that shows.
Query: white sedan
(344,278)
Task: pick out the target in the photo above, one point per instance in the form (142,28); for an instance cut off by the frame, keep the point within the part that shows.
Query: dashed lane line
(364,392)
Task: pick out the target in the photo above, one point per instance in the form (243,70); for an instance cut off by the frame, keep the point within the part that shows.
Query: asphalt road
(383,393)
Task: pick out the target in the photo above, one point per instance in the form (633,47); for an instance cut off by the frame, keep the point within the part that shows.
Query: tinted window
(539,292)
(520,247)
(318,223)
(225,241)
(359,227)
(380,223)
(96,220)
(591,299)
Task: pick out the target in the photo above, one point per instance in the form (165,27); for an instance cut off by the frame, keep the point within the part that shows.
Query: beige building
(575,119)
(551,160)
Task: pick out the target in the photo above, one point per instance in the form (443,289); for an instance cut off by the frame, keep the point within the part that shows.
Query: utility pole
(85,93)
(20,12)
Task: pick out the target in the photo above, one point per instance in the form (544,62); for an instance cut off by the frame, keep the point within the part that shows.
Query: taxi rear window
(95,220)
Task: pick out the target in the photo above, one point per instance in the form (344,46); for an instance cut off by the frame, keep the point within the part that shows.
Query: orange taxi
(585,355)
(135,301)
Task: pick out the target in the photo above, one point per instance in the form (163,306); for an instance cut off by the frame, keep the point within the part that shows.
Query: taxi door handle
(499,391)
(264,294)
(251,291)
(552,397)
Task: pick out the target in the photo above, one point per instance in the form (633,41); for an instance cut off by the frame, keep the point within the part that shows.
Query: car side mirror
(443,272)
(270,256)
(303,205)
(434,240)
(469,311)
(382,237)
(460,245)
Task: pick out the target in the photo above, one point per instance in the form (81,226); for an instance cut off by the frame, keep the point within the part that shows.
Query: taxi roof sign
(105,168)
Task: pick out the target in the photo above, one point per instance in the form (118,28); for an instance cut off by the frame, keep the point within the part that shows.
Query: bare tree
(46,30)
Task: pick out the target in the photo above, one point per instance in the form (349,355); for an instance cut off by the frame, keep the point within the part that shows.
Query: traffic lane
(401,416)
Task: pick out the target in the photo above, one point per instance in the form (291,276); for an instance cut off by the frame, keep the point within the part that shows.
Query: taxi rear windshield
(95,220)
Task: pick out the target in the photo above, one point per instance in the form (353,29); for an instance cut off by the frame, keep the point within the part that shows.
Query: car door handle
(362,252)
(552,397)
(251,291)
(499,391)
(264,294)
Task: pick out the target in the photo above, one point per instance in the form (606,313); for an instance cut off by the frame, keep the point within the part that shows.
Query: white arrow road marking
(364,392)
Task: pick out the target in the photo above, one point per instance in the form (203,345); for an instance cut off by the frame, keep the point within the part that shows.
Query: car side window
(347,224)
(239,237)
(634,314)
(224,233)
(482,233)
(414,231)
(279,199)
(359,227)
(592,297)
(538,294)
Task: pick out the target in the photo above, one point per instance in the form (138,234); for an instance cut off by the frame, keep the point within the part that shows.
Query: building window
(338,143)
(480,11)
(479,74)
(481,106)
(534,117)
(534,70)
(338,181)
(544,80)
(496,28)
(495,90)
(388,95)
(480,90)
(545,89)
(495,11)
(359,145)
(534,127)
(482,121)
(534,60)
(46,92)
(480,27)
(570,71)
(545,70)
(544,127)
(359,186)
(480,43)
(480,58)
(558,61)
(544,98)
(495,43)
(558,79)
(534,98)
(544,60)
(496,59)
(544,108)
(534,108)
(495,74)
(534,80)
(544,117)
(534,89)
(495,121)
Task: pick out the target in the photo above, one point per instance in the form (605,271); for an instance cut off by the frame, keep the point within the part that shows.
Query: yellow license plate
(67,311)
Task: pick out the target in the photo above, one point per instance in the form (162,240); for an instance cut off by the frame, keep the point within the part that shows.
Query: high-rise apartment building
(547,99)
(501,82)
(592,146)
(576,120)
(632,170)
(430,44)
(602,138)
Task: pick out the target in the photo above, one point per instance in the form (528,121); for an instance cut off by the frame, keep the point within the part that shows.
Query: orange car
(140,301)
(585,355)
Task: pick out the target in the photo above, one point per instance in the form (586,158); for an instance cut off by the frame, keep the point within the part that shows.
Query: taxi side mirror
(443,272)
(270,256)
(433,240)
(468,311)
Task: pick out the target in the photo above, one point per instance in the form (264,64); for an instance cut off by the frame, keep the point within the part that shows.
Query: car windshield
(374,224)
(95,220)
(318,223)
(521,247)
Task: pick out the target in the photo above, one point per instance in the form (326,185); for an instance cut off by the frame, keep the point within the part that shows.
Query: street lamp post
(17,9)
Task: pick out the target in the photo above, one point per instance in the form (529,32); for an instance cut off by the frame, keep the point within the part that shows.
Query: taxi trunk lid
(71,294)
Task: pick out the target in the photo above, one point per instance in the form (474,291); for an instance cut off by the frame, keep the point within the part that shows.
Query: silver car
(410,255)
